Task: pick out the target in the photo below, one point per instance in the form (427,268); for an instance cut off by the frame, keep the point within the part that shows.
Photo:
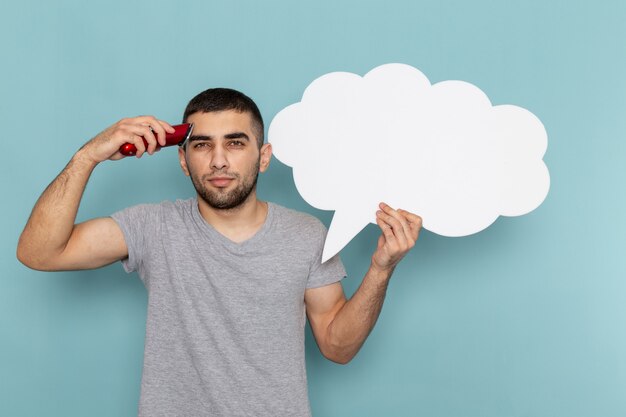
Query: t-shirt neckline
(216,236)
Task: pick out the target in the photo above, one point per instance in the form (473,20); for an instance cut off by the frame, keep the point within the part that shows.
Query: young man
(230,279)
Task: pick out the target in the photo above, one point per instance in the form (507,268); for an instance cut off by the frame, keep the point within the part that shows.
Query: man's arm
(51,241)
(340,327)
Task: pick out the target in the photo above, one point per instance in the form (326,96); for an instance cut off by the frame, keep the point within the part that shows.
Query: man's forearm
(354,322)
(52,220)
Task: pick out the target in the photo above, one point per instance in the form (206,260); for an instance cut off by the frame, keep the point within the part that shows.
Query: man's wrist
(83,159)
(381,272)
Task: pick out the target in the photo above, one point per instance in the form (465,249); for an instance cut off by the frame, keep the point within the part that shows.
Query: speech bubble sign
(441,151)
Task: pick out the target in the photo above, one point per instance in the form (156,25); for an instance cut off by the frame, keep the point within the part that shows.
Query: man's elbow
(23,256)
(339,354)
(338,359)
(31,260)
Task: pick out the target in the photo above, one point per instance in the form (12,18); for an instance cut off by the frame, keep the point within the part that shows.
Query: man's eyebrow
(199,137)
(237,135)
(234,135)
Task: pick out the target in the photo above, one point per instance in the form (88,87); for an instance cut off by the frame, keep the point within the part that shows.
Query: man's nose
(219,160)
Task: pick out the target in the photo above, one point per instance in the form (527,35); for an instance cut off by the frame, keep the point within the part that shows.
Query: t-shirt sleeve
(328,272)
(138,224)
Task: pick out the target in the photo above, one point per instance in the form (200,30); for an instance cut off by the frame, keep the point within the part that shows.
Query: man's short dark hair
(220,99)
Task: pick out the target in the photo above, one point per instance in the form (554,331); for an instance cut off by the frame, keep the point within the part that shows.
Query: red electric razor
(180,135)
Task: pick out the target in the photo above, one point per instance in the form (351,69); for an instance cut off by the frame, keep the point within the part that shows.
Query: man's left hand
(400,230)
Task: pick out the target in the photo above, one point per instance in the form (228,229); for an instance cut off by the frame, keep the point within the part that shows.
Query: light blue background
(527,318)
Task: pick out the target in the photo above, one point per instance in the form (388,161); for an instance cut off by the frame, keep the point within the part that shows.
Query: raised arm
(341,327)
(51,241)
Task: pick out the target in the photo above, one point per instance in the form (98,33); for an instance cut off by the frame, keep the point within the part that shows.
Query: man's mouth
(221,182)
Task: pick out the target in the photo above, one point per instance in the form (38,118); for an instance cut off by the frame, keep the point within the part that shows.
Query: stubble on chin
(223,199)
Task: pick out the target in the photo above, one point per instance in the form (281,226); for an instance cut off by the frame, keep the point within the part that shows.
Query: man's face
(223,159)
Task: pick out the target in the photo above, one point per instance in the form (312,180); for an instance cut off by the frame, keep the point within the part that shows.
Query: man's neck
(237,224)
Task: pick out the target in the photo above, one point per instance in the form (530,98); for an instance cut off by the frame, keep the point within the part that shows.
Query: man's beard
(222,199)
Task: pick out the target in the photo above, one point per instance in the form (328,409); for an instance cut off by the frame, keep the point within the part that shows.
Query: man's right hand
(106,145)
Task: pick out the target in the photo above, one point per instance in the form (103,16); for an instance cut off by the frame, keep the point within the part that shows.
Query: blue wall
(524,319)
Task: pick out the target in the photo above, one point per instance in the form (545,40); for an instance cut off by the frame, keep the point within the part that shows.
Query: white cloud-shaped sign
(441,151)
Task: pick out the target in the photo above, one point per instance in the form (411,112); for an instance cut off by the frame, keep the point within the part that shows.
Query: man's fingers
(168,127)
(400,230)
(159,127)
(414,221)
(154,122)
(386,230)
(135,134)
(146,132)
(404,230)
(410,217)
(397,234)
(159,133)
(136,140)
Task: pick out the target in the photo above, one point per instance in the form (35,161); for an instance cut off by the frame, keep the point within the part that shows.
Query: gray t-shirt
(225,323)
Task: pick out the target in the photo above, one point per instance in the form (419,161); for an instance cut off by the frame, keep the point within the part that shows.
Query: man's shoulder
(152,209)
(297,220)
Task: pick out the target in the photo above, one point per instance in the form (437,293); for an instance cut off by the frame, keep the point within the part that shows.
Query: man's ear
(183,160)
(266,157)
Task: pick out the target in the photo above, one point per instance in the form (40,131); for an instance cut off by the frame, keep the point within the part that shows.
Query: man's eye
(236,143)
(201,145)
